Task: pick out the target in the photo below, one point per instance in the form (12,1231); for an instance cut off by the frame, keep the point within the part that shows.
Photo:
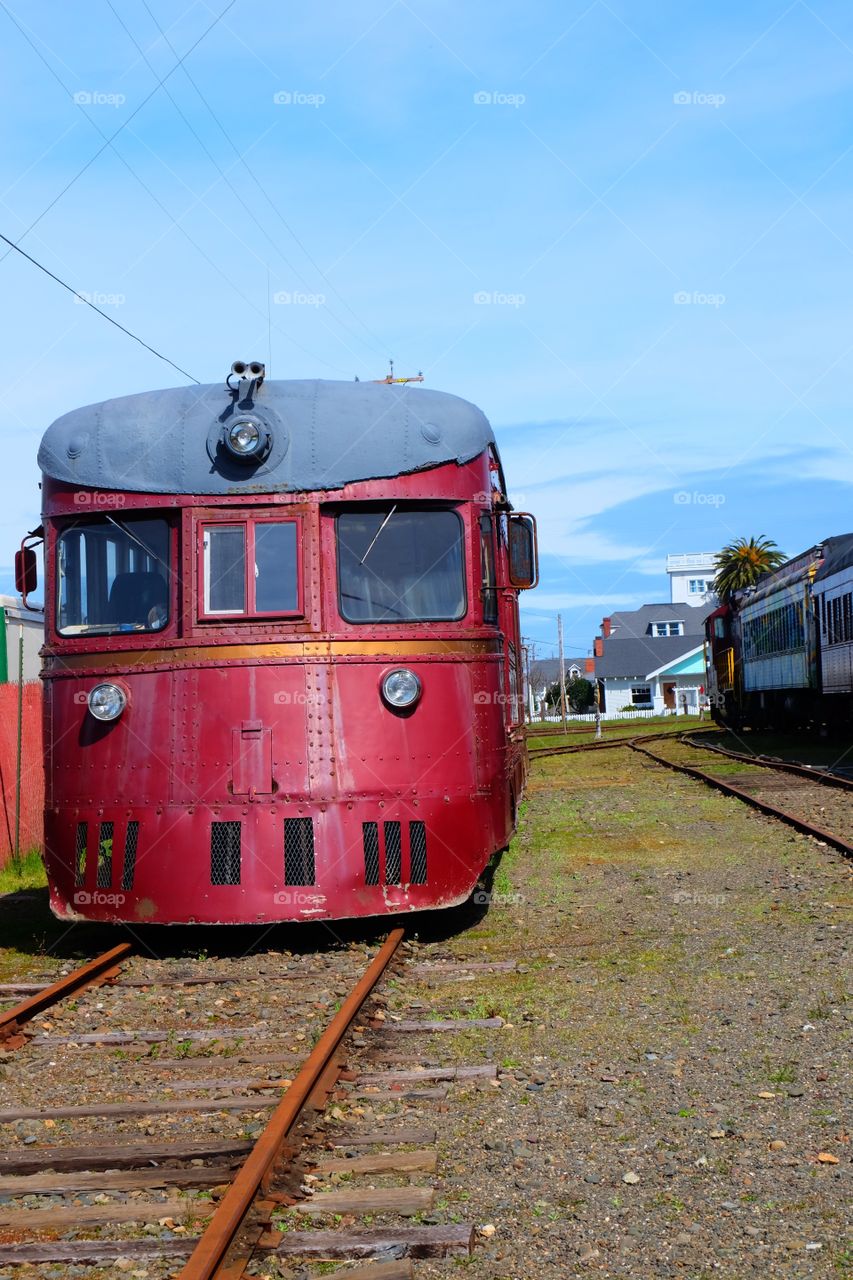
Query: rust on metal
(101,968)
(211,1250)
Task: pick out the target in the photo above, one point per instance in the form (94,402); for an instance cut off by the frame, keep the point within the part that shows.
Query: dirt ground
(675,1062)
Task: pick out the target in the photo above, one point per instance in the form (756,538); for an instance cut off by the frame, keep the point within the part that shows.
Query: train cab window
(400,565)
(113,576)
(250,568)
(487,563)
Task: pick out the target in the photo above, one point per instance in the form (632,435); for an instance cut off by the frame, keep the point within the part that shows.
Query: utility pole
(562,671)
(529,653)
(16,855)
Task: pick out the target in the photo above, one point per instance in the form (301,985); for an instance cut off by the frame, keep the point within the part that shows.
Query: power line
(174,222)
(225,178)
(123,125)
(82,298)
(265,194)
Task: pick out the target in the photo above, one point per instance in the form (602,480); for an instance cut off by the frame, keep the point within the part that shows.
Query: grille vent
(131,841)
(370,838)
(299,851)
(225,852)
(80,853)
(105,855)
(393,853)
(417,853)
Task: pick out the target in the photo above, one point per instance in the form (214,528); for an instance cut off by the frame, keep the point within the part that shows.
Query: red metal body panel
(260,721)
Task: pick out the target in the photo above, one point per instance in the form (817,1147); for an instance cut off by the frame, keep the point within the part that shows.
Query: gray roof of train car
(838,555)
(325,435)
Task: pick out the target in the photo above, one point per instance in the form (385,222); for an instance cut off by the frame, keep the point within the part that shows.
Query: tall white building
(691,577)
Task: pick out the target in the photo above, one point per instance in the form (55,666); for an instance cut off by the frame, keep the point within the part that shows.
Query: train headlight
(107,701)
(247,439)
(401,689)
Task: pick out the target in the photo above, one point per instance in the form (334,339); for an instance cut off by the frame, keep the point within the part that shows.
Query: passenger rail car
(781,653)
(283,666)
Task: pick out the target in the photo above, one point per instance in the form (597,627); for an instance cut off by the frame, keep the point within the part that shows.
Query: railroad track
(812,805)
(179,1115)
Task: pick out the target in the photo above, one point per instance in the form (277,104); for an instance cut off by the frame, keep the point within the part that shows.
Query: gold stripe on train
(306,649)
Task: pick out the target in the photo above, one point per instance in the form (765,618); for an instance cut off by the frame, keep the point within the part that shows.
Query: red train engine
(282,663)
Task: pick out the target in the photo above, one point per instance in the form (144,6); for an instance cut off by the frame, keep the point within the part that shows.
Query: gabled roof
(636,622)
(641,658)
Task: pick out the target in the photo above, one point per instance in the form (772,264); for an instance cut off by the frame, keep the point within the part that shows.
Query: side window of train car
(398,564)
(250,568)
(487,563)
(113,575)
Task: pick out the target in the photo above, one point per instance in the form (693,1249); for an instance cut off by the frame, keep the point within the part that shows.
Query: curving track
(808,793)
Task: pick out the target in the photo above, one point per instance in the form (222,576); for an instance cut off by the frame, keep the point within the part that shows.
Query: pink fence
(32,768)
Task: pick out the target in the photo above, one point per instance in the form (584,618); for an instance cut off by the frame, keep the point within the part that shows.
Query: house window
(250,568)
(667,628)
(641,695)
(697,586)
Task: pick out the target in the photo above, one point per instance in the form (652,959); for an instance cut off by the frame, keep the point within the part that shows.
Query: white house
(691,577)
(652,658)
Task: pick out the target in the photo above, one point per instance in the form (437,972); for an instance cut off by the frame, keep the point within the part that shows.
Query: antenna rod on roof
(389,378)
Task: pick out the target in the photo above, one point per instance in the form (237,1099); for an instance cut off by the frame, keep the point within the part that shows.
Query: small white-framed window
(667,628)
(250,568)
(641,695)
(697,586)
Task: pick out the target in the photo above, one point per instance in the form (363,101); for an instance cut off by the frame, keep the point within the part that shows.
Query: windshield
(113,575)
(400,565)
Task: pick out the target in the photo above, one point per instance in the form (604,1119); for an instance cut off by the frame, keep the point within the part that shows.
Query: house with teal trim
(652,658)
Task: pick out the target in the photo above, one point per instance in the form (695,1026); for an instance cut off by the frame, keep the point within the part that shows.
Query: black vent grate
(105,855)
(417,853)
(225,852)
(131,840)
(370,839)
(393,861)
(299,851)
(80,853)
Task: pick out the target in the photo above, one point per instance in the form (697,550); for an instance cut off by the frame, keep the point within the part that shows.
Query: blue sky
(624,230)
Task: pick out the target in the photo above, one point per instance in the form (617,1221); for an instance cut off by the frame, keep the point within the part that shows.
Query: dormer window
(666,629)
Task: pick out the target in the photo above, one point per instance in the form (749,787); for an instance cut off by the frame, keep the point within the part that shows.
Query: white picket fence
(625,717)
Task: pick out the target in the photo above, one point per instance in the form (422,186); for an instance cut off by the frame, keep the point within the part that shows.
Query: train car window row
(778,631)
(113,576)
(836,617)
(400,565)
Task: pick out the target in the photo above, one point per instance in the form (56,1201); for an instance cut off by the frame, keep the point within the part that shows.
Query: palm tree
(742,562)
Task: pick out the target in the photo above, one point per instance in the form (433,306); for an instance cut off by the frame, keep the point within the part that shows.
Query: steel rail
(12,1020)
(799,824)
(765,762)
(210,1252)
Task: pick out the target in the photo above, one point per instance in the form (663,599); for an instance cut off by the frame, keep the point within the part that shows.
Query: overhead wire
(223,173)
(122,126)
(172,220)
(81,297)
(276,210)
